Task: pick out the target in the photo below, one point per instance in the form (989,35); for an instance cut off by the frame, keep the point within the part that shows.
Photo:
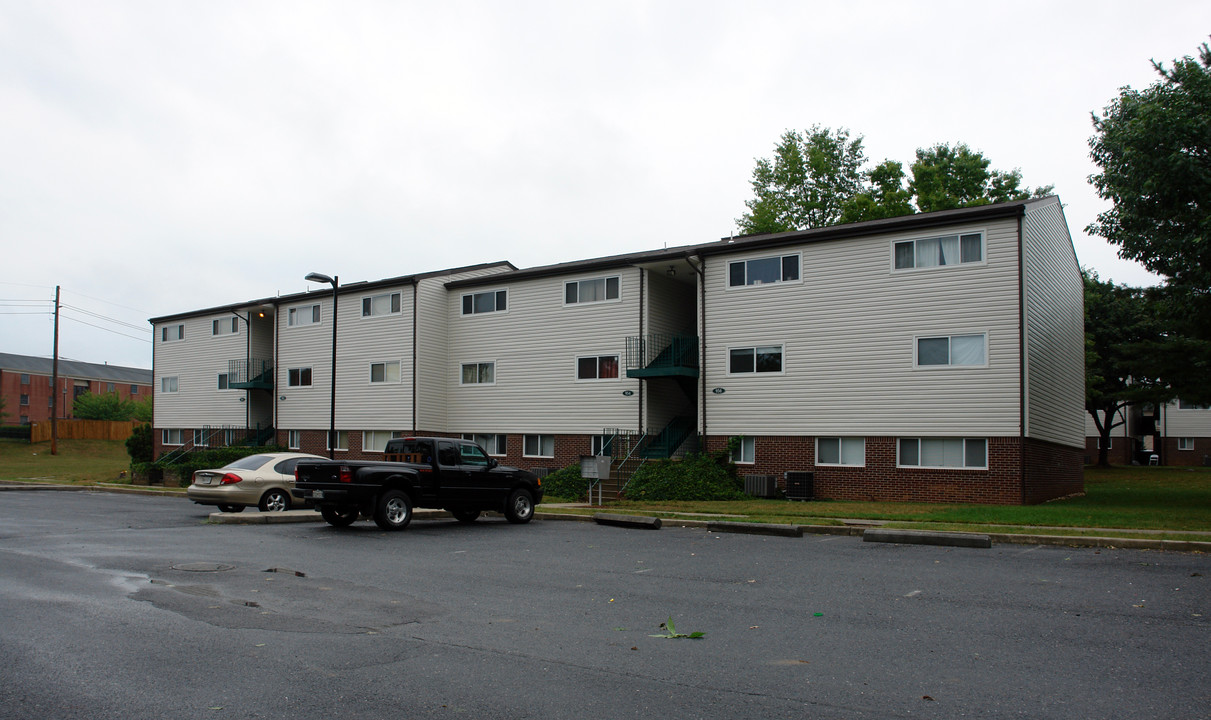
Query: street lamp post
(334,282)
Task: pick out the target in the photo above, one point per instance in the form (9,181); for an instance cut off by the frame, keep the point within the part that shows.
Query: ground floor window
(1109,443)
(746,452)
(342,440)
(200,439)
(294,439)
(171,436)
(492,443)
(376,440)
(539,446)
(1185,443)
(841,451)
(944,452)
(602,445)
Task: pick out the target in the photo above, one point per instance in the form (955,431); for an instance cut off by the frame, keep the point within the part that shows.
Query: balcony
(250,374)
(662,355)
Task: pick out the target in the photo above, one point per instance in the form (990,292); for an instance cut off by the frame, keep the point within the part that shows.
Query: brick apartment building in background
(26,385)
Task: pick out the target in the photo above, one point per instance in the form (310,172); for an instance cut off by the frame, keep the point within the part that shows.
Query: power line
(107,318)
(148,340)
(108,302)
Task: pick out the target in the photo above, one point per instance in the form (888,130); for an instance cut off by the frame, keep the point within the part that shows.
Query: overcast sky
(159,157)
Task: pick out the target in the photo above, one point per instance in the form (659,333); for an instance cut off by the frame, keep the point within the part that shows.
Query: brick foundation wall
(881,480)
(1119,454)
(1052,471)
(1199,456)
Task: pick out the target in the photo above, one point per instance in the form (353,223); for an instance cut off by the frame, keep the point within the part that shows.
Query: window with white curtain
(969,453)
(941,251)
(948,350)
(385,304)
(595,290)
(483,373)
(376,440)
(841,451)
(538,446)
(493,443)
(745,452)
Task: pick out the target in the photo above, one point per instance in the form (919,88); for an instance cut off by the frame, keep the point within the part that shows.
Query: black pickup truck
(448,473)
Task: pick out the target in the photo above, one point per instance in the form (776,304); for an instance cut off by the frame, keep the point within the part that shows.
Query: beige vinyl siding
(1186,423)
(361,405)
(433,345)
(307,408)
(848,331)
(197,361)
(535,345)
(1055,329)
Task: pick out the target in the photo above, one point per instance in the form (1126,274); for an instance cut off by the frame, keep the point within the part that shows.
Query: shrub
(185,466)
(565,484)
(698,477)
(139,445)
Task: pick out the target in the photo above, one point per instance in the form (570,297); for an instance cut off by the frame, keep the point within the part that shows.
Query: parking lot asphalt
(131,606)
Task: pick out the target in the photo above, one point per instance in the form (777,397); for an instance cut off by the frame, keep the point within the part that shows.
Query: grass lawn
(1173,502)
(78,462)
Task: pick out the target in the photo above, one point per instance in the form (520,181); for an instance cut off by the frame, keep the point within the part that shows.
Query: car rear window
(252,462)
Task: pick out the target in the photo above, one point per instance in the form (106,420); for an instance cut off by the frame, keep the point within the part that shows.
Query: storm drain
(203,567)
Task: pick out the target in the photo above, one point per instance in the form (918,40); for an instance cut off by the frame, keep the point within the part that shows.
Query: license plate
(317,494)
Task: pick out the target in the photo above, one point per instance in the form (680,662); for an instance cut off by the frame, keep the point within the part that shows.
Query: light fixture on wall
(671,272)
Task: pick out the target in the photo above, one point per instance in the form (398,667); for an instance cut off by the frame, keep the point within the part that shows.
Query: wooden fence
(83,430)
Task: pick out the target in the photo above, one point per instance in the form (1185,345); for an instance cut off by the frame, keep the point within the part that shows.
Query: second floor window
(483,373)
(304,315)
(386,304)
(939,251)
(225,326)
(597,367)
(298,377)
(485,302)
(951,350)
(761,359)
(763,271)
(168,384)
(384,372)
(579,292)
(169,333)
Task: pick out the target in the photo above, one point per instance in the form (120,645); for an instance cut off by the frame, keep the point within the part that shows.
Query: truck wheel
(465,516)
(393,511)
(275,501)
(520,507)
(339,517)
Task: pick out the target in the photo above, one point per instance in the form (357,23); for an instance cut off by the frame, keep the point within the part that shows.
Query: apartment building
(27,385)
(933,357)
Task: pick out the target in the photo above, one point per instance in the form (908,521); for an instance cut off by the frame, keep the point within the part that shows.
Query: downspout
(700,268)
(415,295)
(642,356)
(277,314)
(1022,360)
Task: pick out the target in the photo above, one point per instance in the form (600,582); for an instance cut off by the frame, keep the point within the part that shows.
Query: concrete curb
(628,521)
(756,528)
(926,537)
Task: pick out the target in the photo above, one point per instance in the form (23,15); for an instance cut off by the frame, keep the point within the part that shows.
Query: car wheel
(275,501)
(393,511)
(231,508)
(465,516)
(520,507)
(339,517)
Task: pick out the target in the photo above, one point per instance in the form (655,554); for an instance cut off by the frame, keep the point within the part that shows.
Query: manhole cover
(203,567)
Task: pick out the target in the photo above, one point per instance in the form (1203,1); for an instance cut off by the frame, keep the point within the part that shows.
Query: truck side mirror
(492,463)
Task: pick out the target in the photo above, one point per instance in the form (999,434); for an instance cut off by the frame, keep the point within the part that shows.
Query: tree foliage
(109,406)
(1153,147)
(806,183)
(816,179)
(139,446)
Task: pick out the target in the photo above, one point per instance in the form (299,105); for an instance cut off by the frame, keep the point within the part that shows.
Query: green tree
(1153,147)
(140,410)
(884,196)
(103,407)
(140,445)
(3,414)
(944,178)
(1122,340)
(811,176)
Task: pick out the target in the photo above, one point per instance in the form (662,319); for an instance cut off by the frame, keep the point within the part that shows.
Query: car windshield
(252,462)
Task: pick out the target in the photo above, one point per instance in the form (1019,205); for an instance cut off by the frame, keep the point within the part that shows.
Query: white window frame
(597,366)
(134,389)
(395,304)
(498,294)
(781,266)
(342,440)
(746,452)
(300,383)
(597,444)
(372,438)
(224,383)
(386,365)
(294,439)
(170,384)
(478,373)
(199,439)
(109,387)
(25,378)
(1109,441)
(172,436)
(916,266)
(294,315)
(964,466)
(221,326)
(842,441)
(497,448)
(1185,443)
(541,439)
(178,333)
(727,359)
(605,289)
(1183,405)
(949,364)
(24,399)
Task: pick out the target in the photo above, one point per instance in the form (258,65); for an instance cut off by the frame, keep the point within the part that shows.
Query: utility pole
(54,383)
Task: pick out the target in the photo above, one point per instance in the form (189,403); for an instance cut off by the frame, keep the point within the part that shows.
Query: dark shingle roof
(74,369)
